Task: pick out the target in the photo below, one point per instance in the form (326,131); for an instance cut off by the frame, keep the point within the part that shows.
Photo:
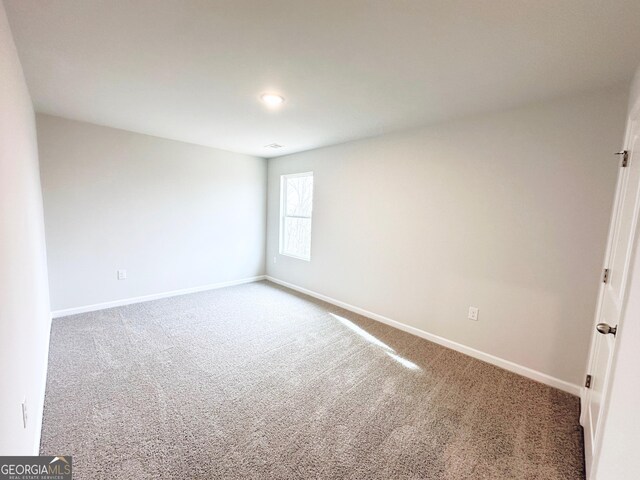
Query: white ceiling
(193,70)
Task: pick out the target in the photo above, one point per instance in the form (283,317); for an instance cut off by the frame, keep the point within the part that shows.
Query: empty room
(304,239)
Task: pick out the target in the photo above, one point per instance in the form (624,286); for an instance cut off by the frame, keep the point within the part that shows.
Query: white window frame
(283,211)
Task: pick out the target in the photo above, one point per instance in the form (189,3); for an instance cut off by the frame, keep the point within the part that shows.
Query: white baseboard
(40,412)
(472,352)
(154,296)
(583,405)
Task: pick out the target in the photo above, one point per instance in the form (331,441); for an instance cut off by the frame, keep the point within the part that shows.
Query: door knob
(605,328)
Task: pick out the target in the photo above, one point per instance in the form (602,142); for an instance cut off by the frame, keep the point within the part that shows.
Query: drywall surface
(24,297)
(173,215)
(507,212)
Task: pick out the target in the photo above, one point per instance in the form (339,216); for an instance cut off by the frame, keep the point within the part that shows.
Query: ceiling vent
(274,145)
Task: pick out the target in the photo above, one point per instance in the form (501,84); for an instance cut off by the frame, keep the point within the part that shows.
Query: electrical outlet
(25,413)
(275,259)
(122,274)
(473,313)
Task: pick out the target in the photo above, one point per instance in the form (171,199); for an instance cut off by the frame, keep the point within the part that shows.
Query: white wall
(24,298)
(618,454)
(507,212)
(174,215)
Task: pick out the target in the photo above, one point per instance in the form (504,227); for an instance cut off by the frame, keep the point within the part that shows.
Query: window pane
(299,196)
(297,236)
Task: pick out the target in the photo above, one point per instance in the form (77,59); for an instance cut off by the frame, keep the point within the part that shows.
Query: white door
(612,291)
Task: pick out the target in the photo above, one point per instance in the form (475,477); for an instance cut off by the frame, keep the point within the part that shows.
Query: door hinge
(625,157)
(587,382)
(605,275)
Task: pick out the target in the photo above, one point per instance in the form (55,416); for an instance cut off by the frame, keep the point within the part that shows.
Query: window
(296,197)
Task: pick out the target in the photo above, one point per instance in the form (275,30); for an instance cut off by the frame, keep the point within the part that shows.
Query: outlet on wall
(25,413)
(275,259)
(122,274)
(473,313)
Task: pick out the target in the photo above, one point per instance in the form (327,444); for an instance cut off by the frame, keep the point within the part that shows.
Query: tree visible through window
(296,195)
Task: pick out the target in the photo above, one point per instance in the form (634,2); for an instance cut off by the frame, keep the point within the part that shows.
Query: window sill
(296,257)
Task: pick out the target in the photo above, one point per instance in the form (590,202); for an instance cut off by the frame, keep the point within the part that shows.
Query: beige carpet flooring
(258,382)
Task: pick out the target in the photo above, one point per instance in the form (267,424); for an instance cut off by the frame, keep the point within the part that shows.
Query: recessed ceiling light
(272,99)
(274,145)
